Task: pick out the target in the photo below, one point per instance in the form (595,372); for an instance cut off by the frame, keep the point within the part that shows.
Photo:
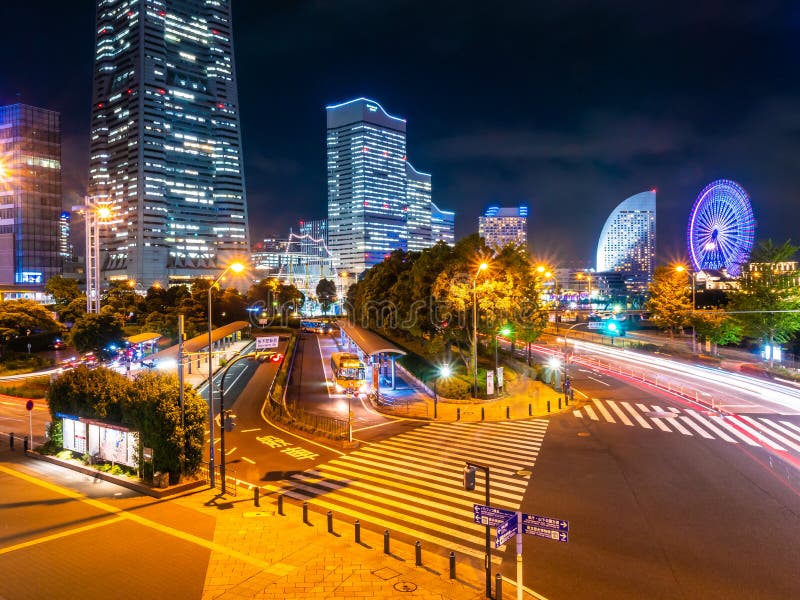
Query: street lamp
(506,331)
(93,214)
(236,267)
(482,267)
(691,274)
(549,275)
(444,371)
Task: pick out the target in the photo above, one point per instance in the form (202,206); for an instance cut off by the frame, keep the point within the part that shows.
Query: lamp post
(506,331)
(549,275)
(482,267)
(93,213)
(691,274)
(236,267)
(566,333)
(444,371)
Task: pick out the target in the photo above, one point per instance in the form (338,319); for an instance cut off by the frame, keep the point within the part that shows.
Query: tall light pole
(549,275)
(506,331)
(482,267)
(691,274)
(444,371)
(236,267)
(93,214)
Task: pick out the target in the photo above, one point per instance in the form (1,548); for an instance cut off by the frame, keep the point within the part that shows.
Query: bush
(456,387)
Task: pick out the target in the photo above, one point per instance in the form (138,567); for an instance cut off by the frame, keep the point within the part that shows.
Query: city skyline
(640,101)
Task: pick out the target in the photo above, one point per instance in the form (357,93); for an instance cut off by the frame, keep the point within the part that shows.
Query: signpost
(594,325)
(29,408)
(265,342)
(509,523)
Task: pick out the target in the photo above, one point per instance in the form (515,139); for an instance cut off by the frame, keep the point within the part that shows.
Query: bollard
(256,494)
(530,409)
(482,415)
(418,554)
(458,413)
(386,542)
(358,531)
(452,565)
(280,504)
(548,406)
(305,512)
(566,399)
(559,403)
(498,587)
(508,412)
(11,440)
(25,445)
(572,394)
(330,521)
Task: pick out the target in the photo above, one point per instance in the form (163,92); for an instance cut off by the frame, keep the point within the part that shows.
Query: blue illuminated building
(166,152)
(628,241)
(443,225)
(418,215)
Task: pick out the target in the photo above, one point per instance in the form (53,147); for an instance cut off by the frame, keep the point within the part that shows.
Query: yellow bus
(349,373)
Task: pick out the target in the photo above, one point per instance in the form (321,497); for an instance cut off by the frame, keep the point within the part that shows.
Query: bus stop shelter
(377,351)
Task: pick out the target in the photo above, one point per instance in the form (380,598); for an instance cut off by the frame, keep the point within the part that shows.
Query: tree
(93,331)
(91,393)
(768,293)
(20,318)
(63,291)
(717,326)
(670,300)
(326,294)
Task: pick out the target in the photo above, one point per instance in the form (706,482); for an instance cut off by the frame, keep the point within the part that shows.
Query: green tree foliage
(93,331)
(717,326)
(278,299)
(74,311)
(63,291)
(17,317)
(121,298)
(326,294)
(766,291)
(91,393)
(670,298)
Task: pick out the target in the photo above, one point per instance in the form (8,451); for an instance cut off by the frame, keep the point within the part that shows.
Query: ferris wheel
(721,227)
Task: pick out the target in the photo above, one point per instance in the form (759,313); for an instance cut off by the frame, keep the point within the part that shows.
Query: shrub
(456,387)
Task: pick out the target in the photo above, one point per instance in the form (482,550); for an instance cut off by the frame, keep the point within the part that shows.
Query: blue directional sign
(506,531)
(548,522)
(487,515)
(544,532)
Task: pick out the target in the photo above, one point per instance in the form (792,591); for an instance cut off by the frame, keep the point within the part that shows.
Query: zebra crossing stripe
(658,422)
(603,410)
(785,431)
(636,415)
(722,422)
(502,444)
(707,423)
(577,413)
(791,425)
(741,422)
(618,411)
(771,432)
(676,424)
(696,427)
(590,412)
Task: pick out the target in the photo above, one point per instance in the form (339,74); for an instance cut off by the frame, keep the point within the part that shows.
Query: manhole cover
(661,414)
(405,586)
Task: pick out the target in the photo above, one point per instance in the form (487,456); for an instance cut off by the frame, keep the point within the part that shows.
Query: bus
(315,326)
(349,373)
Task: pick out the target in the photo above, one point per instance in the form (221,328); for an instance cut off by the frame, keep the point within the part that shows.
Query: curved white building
(628,241)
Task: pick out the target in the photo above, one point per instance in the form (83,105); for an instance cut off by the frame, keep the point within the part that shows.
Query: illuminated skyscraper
(628,241)
(418,215)
(64,245)
(503,226)
(366,184)
(166,153)
(30,194)
(443,225)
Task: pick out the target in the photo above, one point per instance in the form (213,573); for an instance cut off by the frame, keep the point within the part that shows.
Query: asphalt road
(657,515)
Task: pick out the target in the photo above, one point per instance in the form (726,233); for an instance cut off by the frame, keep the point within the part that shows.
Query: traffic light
(469,477)
(613,327)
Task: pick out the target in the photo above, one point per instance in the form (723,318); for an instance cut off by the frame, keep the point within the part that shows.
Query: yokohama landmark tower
(166,152)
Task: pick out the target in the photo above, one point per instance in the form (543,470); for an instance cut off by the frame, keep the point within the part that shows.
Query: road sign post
(266,342)
(488,555)
(29,408)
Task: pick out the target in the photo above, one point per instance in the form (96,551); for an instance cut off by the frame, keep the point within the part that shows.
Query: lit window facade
(443,225)
(30,194)
(501,226)
(166,153)
(628,241)
(314,234)
(64,245)
(418,215)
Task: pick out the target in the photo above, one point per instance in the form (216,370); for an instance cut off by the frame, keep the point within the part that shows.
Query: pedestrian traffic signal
(469,478)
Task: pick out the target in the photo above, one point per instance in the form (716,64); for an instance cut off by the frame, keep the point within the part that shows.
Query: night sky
(568,106)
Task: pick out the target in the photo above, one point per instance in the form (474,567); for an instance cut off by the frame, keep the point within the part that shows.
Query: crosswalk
(774,432)
(412,483)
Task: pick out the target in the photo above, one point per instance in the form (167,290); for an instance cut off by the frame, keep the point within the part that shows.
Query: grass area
(35,387)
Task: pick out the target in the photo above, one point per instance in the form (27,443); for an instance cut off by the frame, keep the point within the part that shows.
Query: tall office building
(30,194)
(314,234)
(418,215)
(628,241)
(443,225)
(64,244)
(166,153)
(367,204)
(503,226)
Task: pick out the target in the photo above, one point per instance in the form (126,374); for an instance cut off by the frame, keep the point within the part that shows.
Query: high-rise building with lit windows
(501,226)
(443,225)
(30,194)
(418,213)
(64,244)
(628,241)
(367,203)
(166,152)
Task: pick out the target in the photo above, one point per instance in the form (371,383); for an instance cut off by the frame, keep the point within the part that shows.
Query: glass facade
(503,226)
(64,244)
(314,234)
(30,194)
(628,241)
(166,153)
(443,225)
(418,215)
